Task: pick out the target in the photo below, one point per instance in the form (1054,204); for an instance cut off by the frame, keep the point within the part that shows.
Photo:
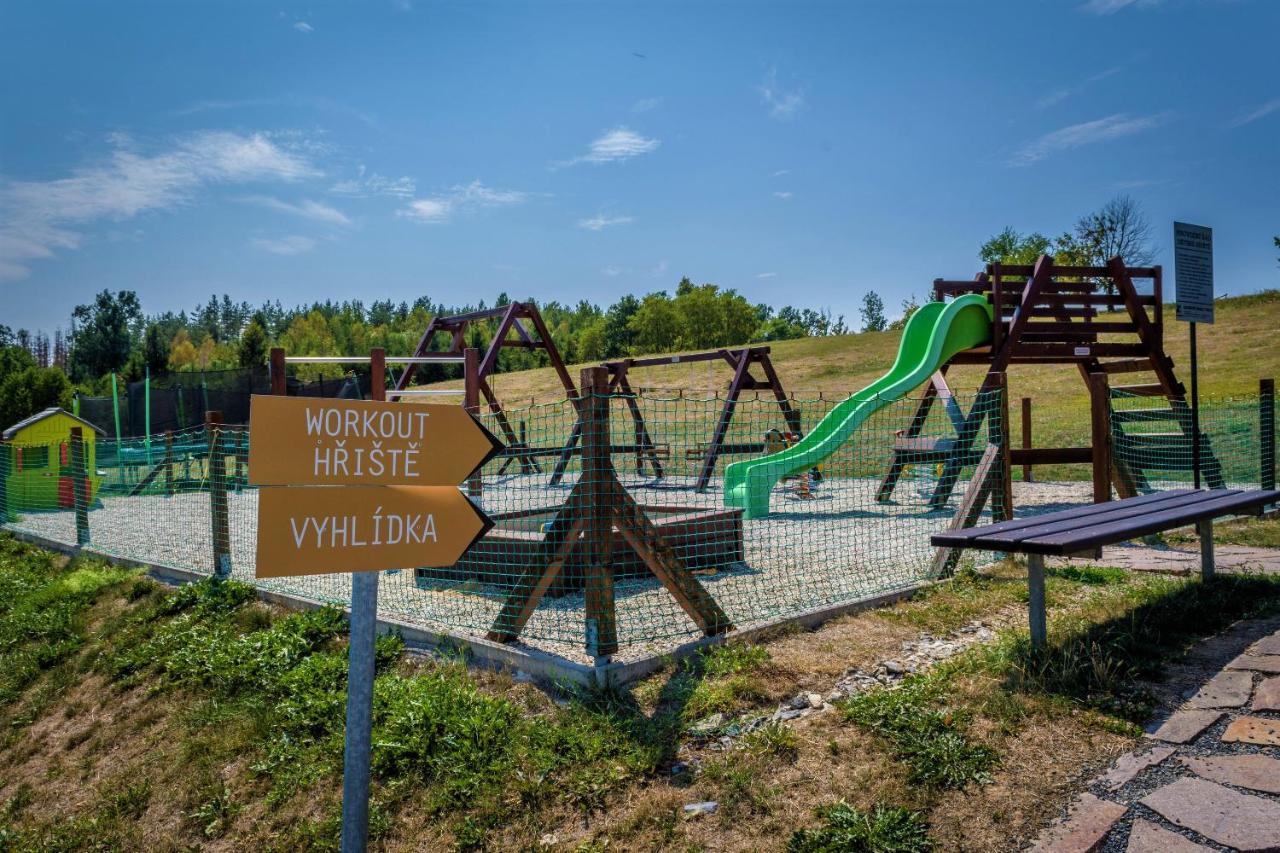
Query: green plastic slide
(932,337)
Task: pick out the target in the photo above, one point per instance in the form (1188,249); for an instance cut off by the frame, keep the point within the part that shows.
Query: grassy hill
(1235,352)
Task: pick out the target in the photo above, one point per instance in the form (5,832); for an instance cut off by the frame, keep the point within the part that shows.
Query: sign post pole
(1193,264)
(363,631)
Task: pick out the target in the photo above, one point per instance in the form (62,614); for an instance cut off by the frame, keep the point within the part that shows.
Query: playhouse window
(35,457)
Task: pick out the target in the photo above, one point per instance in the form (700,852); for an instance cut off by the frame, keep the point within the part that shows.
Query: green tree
(1118,228)
(1010,247)
(909,307)
(618,336)
(872,311)
(655,326)
(32,389)
(155,348)
(103,333)
(253,344)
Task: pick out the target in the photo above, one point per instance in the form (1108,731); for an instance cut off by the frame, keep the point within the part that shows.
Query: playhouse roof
(39,416)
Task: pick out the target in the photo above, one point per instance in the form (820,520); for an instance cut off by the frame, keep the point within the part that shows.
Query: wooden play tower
(1047,313)
(534,337)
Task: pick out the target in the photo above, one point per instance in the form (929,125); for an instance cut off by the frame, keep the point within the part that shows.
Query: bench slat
(1088,528)
(962,536)
(1115,512)
(1124,530)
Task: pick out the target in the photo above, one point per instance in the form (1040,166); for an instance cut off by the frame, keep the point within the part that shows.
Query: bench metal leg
(1204,529)
(1035,583)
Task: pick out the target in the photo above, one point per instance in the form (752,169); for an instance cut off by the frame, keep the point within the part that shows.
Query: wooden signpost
(357,486)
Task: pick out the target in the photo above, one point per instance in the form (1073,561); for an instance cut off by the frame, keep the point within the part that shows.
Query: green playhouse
(37,470)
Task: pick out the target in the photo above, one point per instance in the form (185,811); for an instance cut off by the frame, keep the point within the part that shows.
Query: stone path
(1208,776)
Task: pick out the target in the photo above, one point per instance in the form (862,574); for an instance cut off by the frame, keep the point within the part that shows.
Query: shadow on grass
(1101,665)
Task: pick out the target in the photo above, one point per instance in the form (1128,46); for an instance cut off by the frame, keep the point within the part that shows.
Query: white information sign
(1193,268)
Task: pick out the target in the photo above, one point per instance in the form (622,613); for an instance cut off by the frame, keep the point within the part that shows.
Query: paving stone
(1243,821)
(1085,828)
(1146,837)
(1257,772)
(1253,730)
(1267,696)
(1228,689)
(1269,664)
(1185,726)
(1267,645)
(1131,764)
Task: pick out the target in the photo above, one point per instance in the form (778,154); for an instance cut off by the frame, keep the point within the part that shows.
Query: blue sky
(800,153)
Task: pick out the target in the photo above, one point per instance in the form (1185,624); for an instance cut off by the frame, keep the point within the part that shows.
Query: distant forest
(112,334)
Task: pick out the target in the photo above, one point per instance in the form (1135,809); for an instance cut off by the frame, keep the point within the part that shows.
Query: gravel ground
(839,547)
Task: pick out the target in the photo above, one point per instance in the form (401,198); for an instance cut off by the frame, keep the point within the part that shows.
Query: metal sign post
(1193,266)
(378,491)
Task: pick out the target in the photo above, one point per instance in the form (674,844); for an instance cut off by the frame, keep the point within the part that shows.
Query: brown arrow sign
(316,531)
(297,441)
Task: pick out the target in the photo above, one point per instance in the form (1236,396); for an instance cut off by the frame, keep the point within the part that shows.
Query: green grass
(845,829)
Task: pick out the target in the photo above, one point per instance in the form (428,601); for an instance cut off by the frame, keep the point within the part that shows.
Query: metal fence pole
(1267,432)
(79,486)
(363,629)
(220,527)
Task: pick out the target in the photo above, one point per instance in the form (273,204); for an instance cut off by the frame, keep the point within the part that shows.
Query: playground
(631,520)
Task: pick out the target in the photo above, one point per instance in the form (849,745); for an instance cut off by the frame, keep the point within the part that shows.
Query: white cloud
(37,218)
(644,105)
(303,27)
(373,184)
(600,222)
(1265,110)
(1086,133)
(1110,7)
(306,208)
(291,245)
(612,271)
(766,275)
(782,194)
(1067,91)
(780,173)
(782,104)
(441,207)
(620,143)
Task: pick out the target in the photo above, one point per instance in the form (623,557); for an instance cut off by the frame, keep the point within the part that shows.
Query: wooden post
(471,401)
(218,516)
(1036,602)
(6,451)
(598,479)
(276,370)
(1267,432)
(378,374)
(79,485)
(1027,471)
(1002,503)
(1204,530)
(1100,433)
(168,462)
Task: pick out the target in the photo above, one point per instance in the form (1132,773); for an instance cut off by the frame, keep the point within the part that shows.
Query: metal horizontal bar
(364,359)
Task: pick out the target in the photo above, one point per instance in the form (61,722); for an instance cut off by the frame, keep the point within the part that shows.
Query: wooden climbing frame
(596,509)
(646,451)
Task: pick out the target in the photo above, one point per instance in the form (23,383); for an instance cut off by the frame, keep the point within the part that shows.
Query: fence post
(597,468)
(218,497)
(6,451)
(168,462)
(471,402)
(1100,433)
(79,486)
(1002,495)
(1027,471)
(276,370)
(1267,432)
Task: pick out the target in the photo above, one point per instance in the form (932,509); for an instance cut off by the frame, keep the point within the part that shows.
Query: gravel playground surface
(840,547)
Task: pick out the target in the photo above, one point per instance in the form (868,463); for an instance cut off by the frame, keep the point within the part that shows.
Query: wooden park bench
(1085,530)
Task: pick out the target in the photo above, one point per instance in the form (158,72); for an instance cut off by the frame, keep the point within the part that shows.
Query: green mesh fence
(621,491)
(1153,446)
